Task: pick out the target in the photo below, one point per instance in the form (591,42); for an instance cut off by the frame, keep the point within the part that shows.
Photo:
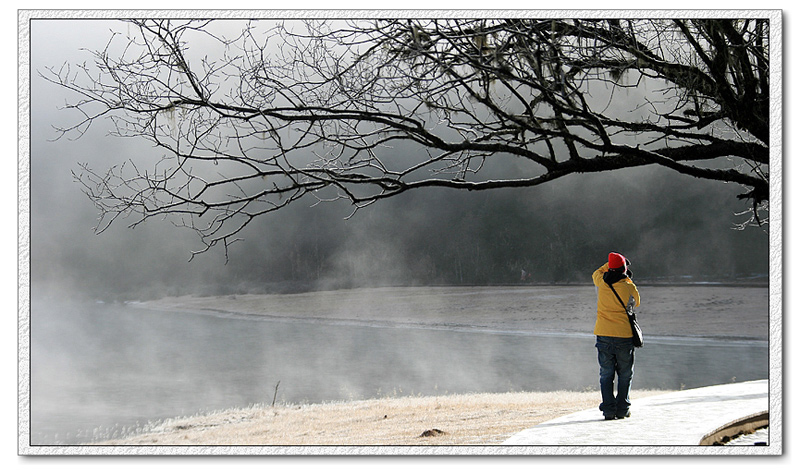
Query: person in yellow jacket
(614,337)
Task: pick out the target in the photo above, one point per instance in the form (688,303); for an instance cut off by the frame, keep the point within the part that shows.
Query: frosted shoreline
(447,420)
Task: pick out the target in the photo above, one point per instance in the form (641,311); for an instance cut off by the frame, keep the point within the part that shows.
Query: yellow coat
(611,317)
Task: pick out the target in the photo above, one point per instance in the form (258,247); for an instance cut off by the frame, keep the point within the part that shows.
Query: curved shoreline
(665,338)
(726,313)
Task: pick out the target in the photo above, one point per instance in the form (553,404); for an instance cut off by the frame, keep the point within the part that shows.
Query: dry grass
(456,420)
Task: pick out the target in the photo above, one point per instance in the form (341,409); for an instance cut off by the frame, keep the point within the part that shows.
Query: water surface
(100,370)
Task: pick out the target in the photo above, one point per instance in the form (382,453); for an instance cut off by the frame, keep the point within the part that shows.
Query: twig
(275,395)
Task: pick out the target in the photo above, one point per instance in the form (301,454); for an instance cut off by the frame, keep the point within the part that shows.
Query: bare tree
(365,110)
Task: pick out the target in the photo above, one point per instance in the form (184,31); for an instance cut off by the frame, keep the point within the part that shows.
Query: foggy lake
(101,370)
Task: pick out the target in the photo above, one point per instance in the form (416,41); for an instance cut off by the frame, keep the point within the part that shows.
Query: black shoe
(624,415)
(609,417)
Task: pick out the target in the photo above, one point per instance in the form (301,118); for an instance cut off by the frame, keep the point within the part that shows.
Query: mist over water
(100,370)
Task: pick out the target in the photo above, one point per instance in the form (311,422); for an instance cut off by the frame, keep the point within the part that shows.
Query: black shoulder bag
(635,329)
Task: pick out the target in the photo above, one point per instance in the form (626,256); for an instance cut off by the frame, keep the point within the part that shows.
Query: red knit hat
(616,261)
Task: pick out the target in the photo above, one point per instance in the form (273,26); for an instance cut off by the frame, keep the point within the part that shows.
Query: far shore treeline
(675,229)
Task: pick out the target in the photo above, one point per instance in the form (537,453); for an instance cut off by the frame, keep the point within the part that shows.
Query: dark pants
(615,355)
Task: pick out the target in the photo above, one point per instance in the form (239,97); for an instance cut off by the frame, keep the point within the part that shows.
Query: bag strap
(618,298)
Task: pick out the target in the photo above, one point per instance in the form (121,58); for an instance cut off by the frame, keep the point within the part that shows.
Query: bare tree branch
(366,110)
